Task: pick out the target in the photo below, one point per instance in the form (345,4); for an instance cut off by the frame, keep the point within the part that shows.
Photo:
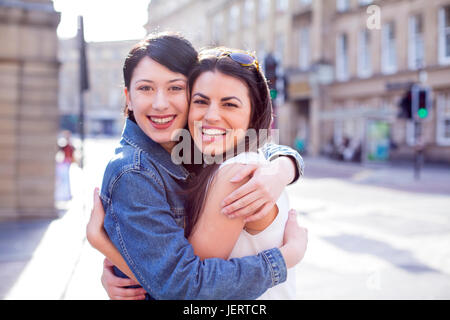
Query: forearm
(146,234)
(273,151)
(285,168)
(103,244)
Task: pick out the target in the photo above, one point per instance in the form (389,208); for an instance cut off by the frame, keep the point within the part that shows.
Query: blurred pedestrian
(64,159)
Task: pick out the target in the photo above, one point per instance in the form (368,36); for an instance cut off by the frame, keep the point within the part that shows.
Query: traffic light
(421,102)
(406,105)
(270,71)
(415,103)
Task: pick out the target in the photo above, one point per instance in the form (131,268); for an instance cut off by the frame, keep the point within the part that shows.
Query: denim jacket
(141,195)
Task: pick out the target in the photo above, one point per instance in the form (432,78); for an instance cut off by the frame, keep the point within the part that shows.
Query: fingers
(232,209)
(128,298)
(127,293)
(248,210)
(95,194)
(97,200)
(260,213)
(245,172)
(116,287)
(239,193)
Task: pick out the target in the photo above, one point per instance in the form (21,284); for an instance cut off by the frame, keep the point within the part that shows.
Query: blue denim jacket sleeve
(153,245)
(272,151)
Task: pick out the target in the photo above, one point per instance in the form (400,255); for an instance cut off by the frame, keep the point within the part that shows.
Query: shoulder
(127,165)
(246,158)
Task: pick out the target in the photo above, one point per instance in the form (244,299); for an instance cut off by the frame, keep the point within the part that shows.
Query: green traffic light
(422,113)
(273,94)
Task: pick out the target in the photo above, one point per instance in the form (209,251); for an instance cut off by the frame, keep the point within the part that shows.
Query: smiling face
(157,97)
(219,112)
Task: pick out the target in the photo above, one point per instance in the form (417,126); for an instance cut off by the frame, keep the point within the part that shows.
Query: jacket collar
(134,136)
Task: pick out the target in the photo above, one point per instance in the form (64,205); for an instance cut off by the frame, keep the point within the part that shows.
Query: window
(217,29)
(443,119)
(233,24)
(304,54)
(305,2)
(249,8)
(364,57)
(264,7)
(415,43)
(342,57)
(261,53)
(444,35)
(279,48)
(282,5)
(342,5)
(389,49)
(363,3)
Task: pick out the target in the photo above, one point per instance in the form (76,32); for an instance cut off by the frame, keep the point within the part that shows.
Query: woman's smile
(162,122)
(212,134)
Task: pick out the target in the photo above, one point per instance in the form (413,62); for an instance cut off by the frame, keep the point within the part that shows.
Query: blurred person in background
(64,159)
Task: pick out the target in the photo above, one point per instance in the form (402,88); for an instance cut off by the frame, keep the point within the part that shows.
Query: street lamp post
(83,84)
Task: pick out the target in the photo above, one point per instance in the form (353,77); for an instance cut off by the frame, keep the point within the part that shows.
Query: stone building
(185,16)
(104,101)
(28,108)
(346,65)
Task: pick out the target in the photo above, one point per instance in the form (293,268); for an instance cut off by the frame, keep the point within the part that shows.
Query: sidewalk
(51,259)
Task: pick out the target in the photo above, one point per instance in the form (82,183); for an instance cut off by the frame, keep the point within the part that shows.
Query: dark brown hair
(260,118)
(169,49)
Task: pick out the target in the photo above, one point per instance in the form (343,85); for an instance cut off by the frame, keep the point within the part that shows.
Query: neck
(168,146)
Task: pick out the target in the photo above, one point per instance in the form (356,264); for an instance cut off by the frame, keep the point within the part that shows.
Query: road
(374,233)
(368,237)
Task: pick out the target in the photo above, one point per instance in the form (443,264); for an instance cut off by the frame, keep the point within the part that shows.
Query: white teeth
(162,120)
(213,132)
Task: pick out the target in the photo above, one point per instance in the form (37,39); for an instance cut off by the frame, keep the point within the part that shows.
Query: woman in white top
(230,117)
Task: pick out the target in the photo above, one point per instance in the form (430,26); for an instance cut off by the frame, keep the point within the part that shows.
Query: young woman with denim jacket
(142,193)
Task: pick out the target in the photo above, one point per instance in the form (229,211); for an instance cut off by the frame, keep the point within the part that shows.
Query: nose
(212,113)
(160,103)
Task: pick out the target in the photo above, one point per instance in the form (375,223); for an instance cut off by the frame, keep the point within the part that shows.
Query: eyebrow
(223,99)
(229,98)
(151,81)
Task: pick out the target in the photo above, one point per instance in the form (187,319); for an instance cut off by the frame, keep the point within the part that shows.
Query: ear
(127,98)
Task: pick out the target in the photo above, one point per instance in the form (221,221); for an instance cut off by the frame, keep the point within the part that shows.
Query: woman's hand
(295,241)
(115,286)
(94,228)
(258,196)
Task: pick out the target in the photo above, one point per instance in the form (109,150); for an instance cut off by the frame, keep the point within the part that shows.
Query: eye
(176,88)
(229,104)
(200,101)
(145,88)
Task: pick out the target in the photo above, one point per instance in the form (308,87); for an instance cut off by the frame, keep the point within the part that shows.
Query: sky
(104,20)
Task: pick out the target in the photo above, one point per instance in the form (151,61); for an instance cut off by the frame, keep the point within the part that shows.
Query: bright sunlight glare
(104,20)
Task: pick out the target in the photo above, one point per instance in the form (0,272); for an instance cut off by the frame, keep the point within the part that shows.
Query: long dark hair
(169,49)
(260,118)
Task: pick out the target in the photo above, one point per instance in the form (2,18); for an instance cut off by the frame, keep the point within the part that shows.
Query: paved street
(374,233)
(373,242)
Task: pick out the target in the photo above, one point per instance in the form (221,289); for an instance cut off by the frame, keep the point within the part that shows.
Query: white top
(248,244)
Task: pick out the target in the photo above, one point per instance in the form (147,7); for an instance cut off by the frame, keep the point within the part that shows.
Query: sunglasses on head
(244,58)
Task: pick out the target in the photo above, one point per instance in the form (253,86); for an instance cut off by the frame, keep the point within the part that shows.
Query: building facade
(185,16)
(105,100)
(28,108)
(346,64)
